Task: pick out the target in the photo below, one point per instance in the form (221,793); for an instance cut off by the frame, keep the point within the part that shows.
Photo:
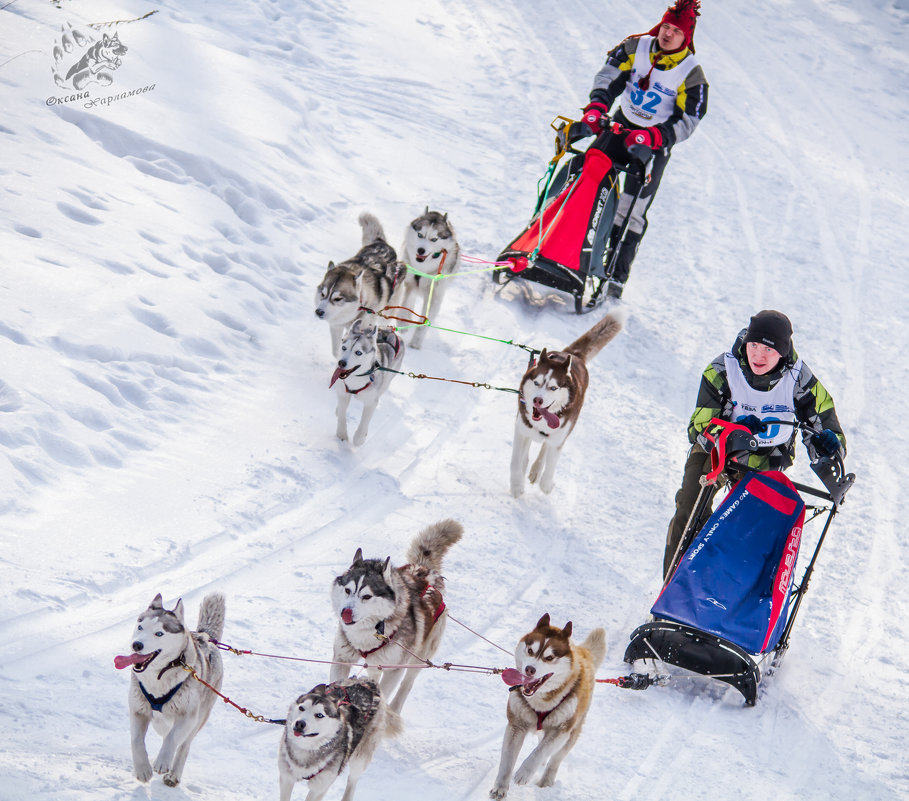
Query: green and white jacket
(811,403)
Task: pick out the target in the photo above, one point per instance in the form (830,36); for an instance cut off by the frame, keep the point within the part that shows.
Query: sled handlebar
(731,441)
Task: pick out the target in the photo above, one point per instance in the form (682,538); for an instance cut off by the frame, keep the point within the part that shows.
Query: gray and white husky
(393,615)
(364,281)
(161,692)
(328,728)
(431,247)
(364,349)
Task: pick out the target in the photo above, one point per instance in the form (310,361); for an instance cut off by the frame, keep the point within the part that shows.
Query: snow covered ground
(166,424)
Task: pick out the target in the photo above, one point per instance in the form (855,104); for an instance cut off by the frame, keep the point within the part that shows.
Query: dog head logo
(83,58)
(544,655)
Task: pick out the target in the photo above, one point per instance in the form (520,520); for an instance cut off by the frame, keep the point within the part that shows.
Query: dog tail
(372,229)
(432,543)
(596,644)
(211,615)
(593,341)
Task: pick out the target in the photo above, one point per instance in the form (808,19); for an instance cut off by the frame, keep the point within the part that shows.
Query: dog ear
(355,328)
(544,355)
(331,265)
(178,610)
(426,211)
(566,632)
(386,568)
(358,556)
(156,603)
(445,217)
(543,621)
(568,365)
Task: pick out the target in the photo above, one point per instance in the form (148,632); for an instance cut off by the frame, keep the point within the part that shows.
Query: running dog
(364,349)
(364,281)
(430,247)
(328,728)
(161,692)
(550,400)
(557,681)
(395,615)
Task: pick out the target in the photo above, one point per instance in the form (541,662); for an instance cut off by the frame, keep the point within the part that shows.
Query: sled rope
(476,384)
(477,634)
(250,715)
(423,663)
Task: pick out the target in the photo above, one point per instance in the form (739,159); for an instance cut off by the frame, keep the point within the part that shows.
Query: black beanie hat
(771,328)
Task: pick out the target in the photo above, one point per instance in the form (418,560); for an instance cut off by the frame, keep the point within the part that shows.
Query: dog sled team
(391,619)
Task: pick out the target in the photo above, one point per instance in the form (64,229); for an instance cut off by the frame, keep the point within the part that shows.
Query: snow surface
(166,424)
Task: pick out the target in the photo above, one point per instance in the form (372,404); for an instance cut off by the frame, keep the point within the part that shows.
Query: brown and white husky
(550,400)
(557,678)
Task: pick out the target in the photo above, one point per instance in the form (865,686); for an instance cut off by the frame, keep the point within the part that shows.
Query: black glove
(826,442)
(754,424)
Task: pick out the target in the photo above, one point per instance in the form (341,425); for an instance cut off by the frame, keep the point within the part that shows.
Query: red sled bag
(564,236)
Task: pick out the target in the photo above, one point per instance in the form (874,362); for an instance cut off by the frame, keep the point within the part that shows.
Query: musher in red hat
(662,96)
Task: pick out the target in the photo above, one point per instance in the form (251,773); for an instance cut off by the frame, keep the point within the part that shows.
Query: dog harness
(157,704)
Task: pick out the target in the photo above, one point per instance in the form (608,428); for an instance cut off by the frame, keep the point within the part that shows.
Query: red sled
(566,245)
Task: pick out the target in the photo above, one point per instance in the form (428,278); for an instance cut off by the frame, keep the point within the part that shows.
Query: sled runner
(731,598)
(566,245)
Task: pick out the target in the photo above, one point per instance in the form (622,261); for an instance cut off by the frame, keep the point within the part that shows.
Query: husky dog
(557,684)
(429,246)
(550,400)
(364,281)
(161,692)
(329,727)
(364,349)
(396,615)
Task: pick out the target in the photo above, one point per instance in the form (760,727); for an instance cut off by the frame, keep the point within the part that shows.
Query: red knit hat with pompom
(684,15)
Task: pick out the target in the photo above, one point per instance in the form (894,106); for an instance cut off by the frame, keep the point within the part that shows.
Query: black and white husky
(328,728)
(430,247)
(364,281)
(161,692)
(364,349)
(393,615)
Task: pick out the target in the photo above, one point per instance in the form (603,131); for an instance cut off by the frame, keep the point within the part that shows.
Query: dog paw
(163,766)
(524,775)
(517,490)
(144,772)
(359,438)
(547,485)
(342,435)
(498,793)
(546,780)
(171,779)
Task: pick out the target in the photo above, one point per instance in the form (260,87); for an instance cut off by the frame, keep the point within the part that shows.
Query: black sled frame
(586,288)
(668,643)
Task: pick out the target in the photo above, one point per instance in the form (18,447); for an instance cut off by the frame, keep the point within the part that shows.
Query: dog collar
(157,703)
(380,630)
(372,377)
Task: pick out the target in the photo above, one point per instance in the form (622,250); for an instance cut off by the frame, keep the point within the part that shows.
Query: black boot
(627,251)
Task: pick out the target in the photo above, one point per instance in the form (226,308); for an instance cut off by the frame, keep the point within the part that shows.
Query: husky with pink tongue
(551,688)
(162,691)
(550,399)
(365,350)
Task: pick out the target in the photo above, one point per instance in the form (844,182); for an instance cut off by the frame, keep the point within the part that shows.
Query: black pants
(696,465)
(614,147)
